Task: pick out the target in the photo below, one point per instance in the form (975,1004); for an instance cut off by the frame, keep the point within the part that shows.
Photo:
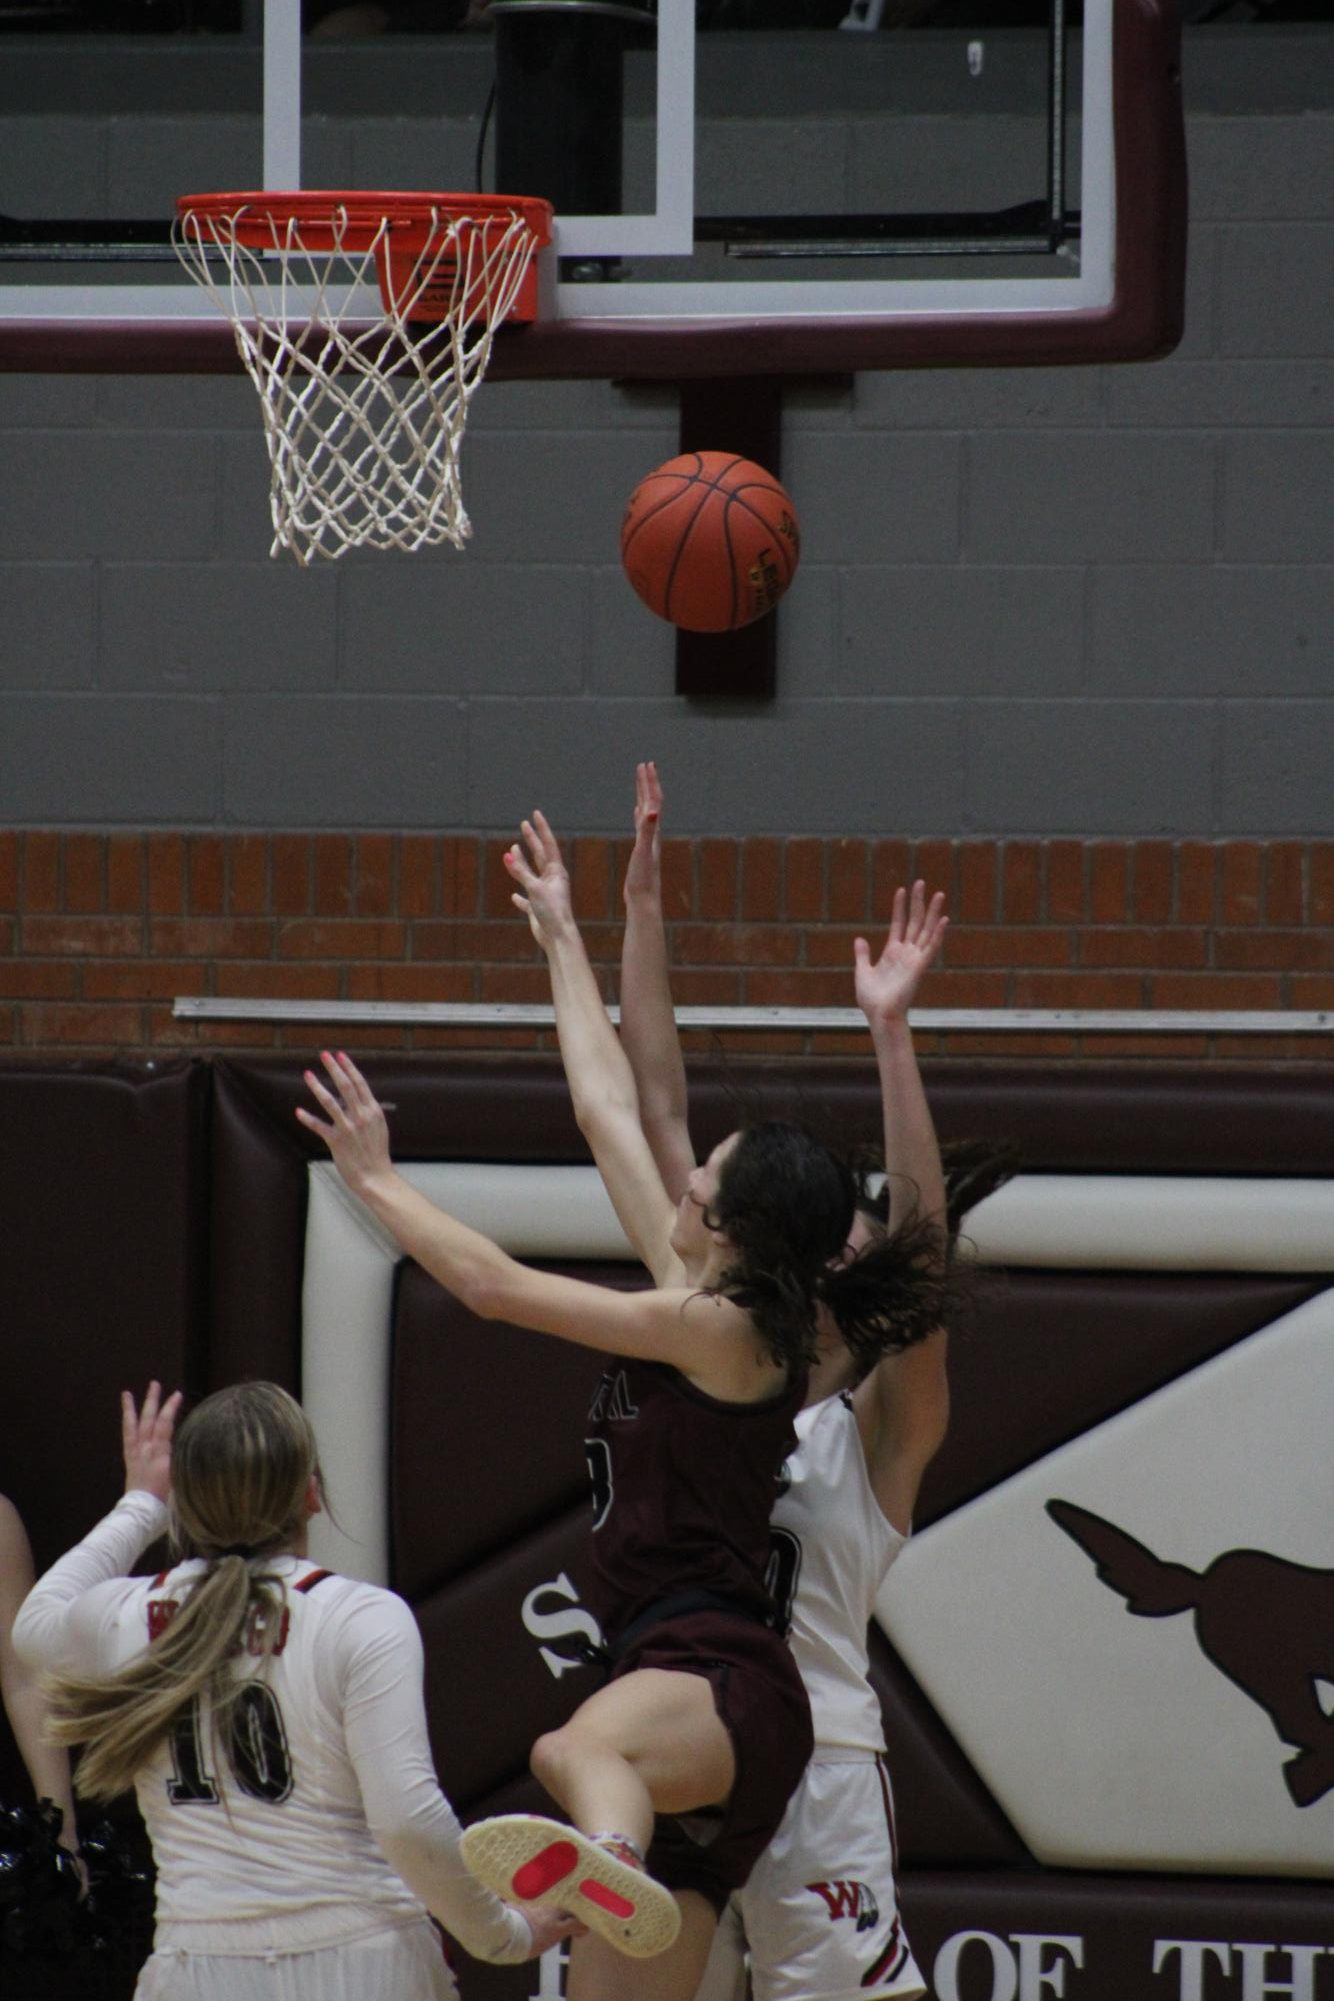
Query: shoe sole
(527,1858)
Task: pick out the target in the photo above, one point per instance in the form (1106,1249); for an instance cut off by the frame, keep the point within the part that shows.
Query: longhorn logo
(1265,1623)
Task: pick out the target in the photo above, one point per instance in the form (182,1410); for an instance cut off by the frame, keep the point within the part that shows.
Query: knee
(549,1760)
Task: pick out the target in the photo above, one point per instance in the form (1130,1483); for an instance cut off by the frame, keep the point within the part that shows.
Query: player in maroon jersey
(705,1716)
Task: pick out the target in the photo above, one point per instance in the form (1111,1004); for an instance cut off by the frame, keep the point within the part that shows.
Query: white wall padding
(1144,1222)
(1110,1739)
(345,1307)
(1076,1221)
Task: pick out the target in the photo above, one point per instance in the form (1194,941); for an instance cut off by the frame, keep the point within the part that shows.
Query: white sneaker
(529,1859)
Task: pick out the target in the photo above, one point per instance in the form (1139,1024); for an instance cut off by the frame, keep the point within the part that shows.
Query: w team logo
(849,1900)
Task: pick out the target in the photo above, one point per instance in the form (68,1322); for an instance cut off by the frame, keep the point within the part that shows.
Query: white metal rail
(810,1020)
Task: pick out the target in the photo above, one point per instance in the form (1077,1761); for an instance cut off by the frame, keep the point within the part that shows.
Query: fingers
(517,864)
(351,1093)
(332,1104)
(916,922)
(153,1422)
(149,1409)
(537,851)
(550,846)
(531,852)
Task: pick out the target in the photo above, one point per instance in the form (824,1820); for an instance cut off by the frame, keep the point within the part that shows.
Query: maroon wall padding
(467,1395)
(102,1201)
(160,1230)
(257,1177)
(1045,1355)
(1119,1920)
(489,1693)
(1100,1118)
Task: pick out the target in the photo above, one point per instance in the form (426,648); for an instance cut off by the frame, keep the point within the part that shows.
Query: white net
(363,412)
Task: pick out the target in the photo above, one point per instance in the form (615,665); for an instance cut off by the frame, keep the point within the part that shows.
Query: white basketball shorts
(405,1964)
(820,1911)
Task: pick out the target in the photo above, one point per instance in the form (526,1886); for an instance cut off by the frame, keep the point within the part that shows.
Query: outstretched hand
(643,871)
(146,1440)
(887,986)
(543,894)
(355,1131)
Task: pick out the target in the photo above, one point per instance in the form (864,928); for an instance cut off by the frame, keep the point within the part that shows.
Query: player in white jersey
(270,1717)
(819,1912)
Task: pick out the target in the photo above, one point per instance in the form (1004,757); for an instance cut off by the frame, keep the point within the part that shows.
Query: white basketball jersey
(286,1831)
(274,1839)
(830,1536)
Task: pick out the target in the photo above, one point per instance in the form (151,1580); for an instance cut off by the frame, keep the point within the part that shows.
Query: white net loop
(363,412)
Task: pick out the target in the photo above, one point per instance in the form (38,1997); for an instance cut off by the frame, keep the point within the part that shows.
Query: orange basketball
(710,541)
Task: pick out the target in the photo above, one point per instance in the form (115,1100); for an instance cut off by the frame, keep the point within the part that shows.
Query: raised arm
(602,1084)
(648,1022)
(702,1334)
(903,1405)
(58,1628)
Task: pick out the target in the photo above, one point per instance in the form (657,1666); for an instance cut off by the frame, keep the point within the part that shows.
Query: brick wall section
(100,932)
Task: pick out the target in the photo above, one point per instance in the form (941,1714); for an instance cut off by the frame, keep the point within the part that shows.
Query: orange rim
(414,219)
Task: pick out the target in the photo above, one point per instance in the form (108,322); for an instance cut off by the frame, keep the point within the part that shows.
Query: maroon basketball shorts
(759,1695)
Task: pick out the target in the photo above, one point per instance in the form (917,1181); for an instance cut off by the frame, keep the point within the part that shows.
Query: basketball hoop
(364,399)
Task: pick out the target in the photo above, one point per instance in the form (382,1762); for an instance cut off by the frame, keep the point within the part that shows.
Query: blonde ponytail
(241,1470)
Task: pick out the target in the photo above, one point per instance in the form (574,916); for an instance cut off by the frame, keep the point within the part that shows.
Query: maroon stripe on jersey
(888,1797)
(309,1583)
(890,1962)
(159,1580)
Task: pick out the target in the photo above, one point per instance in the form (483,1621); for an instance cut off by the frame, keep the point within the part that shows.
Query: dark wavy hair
(786,1202)
(973,1169)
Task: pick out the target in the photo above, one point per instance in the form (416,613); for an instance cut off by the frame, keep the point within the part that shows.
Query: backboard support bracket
(733,414)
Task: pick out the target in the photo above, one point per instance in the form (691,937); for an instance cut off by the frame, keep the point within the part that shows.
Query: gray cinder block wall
(1087,601)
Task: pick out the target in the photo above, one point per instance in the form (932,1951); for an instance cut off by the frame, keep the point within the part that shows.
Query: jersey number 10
(256,1748)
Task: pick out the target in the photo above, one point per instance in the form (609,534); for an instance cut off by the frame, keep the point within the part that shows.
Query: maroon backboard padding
(1143,320)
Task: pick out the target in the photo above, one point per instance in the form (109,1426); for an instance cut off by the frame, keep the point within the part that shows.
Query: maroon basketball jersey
(683,1486)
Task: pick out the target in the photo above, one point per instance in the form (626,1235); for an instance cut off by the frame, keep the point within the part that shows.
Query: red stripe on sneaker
(605,1899)
(554,1862)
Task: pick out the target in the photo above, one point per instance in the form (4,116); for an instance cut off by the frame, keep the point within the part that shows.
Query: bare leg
(649,1743)
(598,1973)
(725,1977)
